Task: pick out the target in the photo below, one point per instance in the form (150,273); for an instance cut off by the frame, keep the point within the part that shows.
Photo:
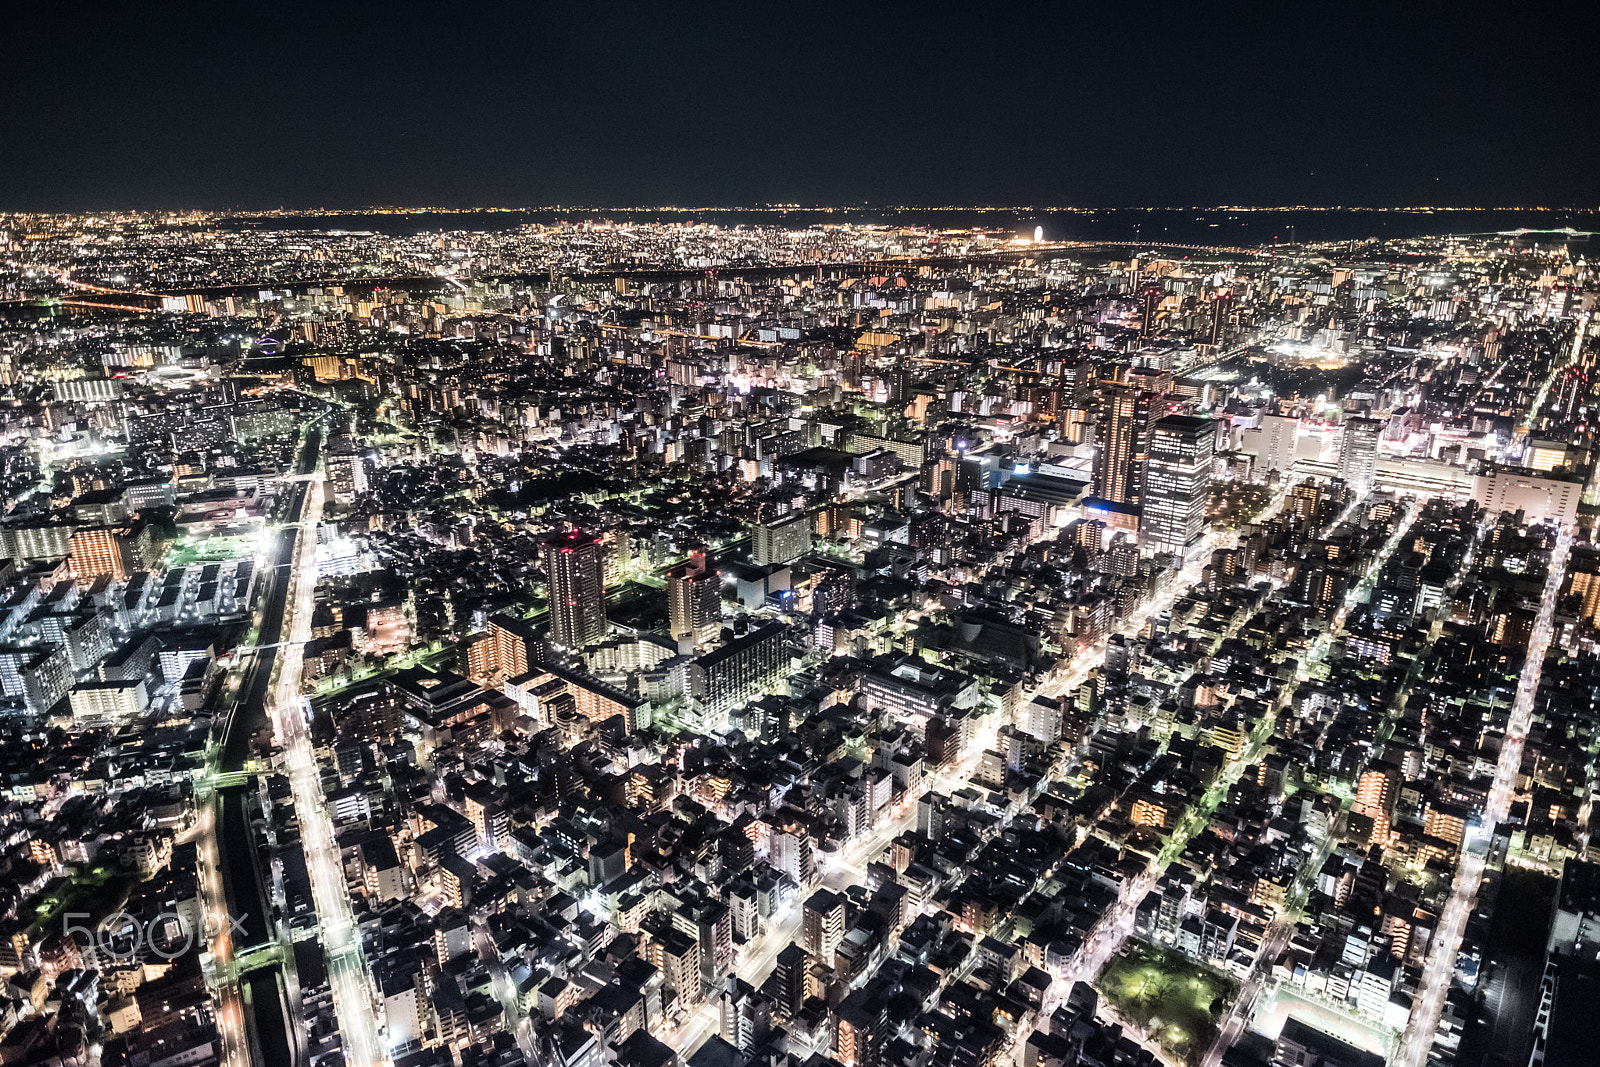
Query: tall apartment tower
(575,563)
(1376,792)
(694,601)
(1177,475)
(502,651)
(1358,454)
(744,1016)
(1121,439)
(346,472)
(1220,307)
(822,924)
(781,540)
(1149,302)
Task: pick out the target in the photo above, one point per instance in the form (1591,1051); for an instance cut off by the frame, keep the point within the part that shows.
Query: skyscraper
(694,601)
(1121,438)
(1358,454)
(1219,317)
(574,562)
(1149,302)
(1177,474)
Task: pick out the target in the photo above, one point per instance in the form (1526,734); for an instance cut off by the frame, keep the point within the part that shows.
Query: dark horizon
(724,104)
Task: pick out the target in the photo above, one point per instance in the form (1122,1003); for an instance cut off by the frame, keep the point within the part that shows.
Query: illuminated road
(1556,367)
(1437,973)
(504,991)
(1272,945)
(758,958)
(214,909)
(353,992)
(230,751)
(1259,978)
(1114,928)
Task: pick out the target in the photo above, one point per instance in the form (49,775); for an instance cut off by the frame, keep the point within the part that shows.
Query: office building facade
(1177,477)
(1358,454)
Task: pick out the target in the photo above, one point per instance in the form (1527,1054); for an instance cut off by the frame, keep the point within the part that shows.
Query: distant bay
(1254,227)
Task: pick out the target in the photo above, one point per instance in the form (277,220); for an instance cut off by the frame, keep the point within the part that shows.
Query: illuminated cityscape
(926,538)
(959,646)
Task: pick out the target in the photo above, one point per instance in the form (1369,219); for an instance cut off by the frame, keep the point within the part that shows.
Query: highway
(353,991)
(219,934)
(1440,967)
(232,890)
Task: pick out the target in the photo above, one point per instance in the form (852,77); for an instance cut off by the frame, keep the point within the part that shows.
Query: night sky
(617,104)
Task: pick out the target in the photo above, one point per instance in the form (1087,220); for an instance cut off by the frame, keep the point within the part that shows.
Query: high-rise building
(744,1016)
(677,956)
(1121,438)
(576,568)
(1358,454)
(1177,477)
(791,854)
(863,1025)
(1149,302)
(780,541)
(1304,502)
(822,924)
(1220,307)
(789,980)
(900,386)
(403,1007)
(1376,791)
(41,677)
(1274,442)
(347,474)
(694,602)
(35,542)
(502,651)
(738,671)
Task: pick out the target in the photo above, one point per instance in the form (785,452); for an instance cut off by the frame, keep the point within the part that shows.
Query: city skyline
(791,578)
(568,643)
